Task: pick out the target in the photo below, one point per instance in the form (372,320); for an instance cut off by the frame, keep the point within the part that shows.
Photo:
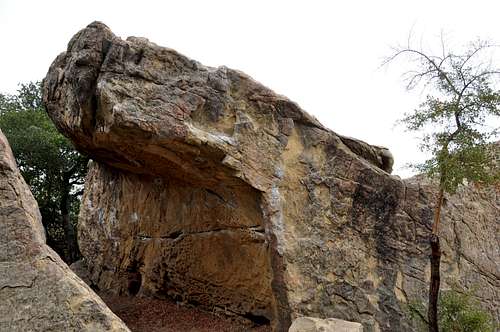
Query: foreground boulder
(38,292)
(212,189)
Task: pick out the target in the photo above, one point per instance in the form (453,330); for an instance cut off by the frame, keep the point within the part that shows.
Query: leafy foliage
(458,312)
(455,118)
(51,166)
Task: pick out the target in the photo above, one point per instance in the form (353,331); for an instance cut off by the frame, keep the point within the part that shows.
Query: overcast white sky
(325,55)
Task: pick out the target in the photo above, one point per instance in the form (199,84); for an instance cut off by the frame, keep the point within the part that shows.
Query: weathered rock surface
(213,189)
(38,292)
(312,324)
(162,236)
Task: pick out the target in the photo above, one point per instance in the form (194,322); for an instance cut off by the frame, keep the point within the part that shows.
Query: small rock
(312,324)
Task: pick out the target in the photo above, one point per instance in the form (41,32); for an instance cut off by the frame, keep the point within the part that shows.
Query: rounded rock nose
(387,160)
(90,37)
(98,25)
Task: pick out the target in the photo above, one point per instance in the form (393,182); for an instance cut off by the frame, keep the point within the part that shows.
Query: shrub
(458,311)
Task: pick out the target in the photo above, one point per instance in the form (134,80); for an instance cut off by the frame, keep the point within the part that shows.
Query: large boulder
(38,292)
(210,188)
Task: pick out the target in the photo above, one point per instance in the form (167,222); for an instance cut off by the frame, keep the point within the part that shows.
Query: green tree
(51,166)
(455,121)
(458,312)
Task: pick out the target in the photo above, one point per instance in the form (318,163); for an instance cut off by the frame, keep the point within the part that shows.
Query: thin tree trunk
(69,232)
(437,212)
(432,314)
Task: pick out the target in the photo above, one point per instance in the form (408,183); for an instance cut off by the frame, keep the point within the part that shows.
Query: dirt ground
(151,315)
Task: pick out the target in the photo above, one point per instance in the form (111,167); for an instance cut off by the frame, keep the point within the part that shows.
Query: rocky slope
(212,189)
(38,292)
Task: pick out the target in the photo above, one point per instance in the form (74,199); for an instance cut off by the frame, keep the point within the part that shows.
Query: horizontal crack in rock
(179,234)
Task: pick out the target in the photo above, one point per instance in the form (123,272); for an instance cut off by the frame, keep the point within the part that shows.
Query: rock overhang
(93,93)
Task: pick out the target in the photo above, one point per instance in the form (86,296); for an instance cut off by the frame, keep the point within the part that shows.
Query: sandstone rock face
(38,292)
(312,324)
(211,188)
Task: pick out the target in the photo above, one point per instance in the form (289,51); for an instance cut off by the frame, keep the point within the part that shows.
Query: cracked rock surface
(38,291)
(212,189)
